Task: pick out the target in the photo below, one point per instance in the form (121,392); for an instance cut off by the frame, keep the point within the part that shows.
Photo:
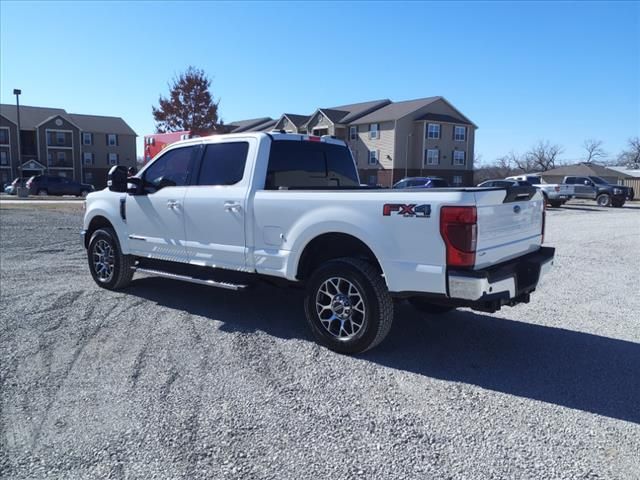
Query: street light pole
(17,92)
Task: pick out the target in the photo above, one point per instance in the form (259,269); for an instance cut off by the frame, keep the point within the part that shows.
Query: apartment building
(391,140)
(54,142)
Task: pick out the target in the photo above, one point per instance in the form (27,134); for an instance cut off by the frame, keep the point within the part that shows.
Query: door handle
(173,204)
(232,206)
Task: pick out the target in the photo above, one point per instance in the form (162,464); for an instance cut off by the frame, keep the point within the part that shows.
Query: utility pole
(17,92)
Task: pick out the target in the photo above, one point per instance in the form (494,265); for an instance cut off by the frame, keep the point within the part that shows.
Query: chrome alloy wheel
(103,260)
(340,308)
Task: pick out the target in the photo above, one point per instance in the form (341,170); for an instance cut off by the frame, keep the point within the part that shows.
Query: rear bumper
(508,283)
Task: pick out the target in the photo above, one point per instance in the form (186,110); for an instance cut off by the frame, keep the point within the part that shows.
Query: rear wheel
(604,200)
(42,192)
(348,306)
(555,203)
(110,268)
(425,306)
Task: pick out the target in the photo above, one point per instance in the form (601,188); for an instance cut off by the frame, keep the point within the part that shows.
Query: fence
(632,182)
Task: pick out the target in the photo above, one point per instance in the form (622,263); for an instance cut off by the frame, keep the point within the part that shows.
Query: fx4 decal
(411,210)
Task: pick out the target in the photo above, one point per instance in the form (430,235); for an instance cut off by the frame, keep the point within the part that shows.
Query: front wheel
(555,203)
(110,268)
(348,306)
(604,200)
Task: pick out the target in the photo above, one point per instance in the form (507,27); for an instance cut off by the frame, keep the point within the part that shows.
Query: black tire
(604,200)
(555,203)
(43,192)
(377,306)
(84,193)
(424,306)
(121,273)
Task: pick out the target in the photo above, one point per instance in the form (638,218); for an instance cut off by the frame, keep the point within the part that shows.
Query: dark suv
(598,189)
(54,185)
(421,182)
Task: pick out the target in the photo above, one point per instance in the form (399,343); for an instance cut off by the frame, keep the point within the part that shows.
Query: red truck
(155,143)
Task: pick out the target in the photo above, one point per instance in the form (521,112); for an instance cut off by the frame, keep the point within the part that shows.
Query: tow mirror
(117,178)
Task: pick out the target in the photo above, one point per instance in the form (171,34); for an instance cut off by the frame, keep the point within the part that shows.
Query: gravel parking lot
(171,380)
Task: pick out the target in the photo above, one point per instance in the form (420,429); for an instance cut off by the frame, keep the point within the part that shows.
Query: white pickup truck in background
(232,210)
(556,194)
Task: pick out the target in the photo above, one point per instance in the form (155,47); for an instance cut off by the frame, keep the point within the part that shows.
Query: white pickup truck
(556,194)
(232,210)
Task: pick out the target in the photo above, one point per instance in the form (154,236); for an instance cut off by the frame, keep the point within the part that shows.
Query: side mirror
(117,178)
(132,171)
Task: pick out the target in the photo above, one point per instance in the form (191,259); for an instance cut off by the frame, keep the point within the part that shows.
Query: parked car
(598,189)
(12,188)
(289,209)
(504,183)
(55,185)
(555,194)
(421,182)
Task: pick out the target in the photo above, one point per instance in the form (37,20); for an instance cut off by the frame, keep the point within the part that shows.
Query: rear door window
(306,164)
(223,163)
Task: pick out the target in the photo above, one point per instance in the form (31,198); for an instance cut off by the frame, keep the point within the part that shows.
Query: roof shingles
(31,117)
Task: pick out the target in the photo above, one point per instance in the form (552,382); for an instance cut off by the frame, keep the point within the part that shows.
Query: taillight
(459,230)
(313,138)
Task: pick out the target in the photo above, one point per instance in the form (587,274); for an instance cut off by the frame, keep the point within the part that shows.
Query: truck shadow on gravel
(562,367)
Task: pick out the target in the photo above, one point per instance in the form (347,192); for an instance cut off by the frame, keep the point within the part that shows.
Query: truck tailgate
(509,224)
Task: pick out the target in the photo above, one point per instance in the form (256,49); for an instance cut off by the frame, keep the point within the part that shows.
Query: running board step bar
(186,278)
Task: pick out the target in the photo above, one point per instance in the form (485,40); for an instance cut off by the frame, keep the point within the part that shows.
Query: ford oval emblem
(516,209)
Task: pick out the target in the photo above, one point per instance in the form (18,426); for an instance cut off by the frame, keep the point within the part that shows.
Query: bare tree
(630,156)
(594,150)
(541,157)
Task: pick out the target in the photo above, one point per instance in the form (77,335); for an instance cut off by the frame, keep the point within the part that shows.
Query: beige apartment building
(391,140)
(54,142)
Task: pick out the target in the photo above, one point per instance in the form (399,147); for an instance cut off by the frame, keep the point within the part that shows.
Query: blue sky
(522,72)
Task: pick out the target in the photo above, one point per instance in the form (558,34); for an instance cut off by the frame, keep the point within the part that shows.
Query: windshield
(533,180)
(598,180)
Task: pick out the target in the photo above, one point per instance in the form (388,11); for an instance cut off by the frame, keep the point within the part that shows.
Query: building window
(112,139)
(373,130)
(86,138)
(88,158)
(49,157)
(458,157)
(113,159)
(433,130)
(4,158)
(88,177)
(353,133)
(60,138)
(432,156)
(62,156)
(4,136)
(457,179)
(373,157)
(459,133)
(62,174)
